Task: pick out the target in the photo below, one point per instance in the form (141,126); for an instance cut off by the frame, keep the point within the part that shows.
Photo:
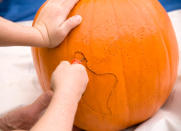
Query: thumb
(69,24)
(41,103)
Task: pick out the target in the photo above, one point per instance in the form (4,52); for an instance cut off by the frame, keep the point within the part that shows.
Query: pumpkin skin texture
(130,52)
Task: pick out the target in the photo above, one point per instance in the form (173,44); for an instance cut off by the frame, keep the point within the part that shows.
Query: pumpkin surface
(130,52)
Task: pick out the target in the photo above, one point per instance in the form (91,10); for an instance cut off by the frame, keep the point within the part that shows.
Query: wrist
(68,96)
(39,40)
(68,92)
(42,33)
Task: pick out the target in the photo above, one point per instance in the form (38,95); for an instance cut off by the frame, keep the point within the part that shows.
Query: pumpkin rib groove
(168,57)
(91,22)
(164,44)
(157,61)
(40,69)
(141,58)
(123,73)
(149,12)
(168,49)
(138,12)
(128,114)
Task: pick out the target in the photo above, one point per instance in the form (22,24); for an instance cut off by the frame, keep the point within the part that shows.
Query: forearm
(6,127)
(59,115)
(13,34)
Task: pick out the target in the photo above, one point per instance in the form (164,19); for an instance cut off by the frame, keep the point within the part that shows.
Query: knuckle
(48,95)
(79,67)
(72,21)
(62,32)
(61,67)
(64,63)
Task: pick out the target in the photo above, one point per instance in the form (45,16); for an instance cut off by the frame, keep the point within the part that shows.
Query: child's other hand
(25,117)
(70,79)
(52,23)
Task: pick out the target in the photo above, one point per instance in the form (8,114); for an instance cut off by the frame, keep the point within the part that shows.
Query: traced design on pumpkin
(101,103)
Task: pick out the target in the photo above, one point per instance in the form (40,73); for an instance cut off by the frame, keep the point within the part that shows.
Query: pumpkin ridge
(148,12)
(156,98)
(40,69)
(136,10)
(164,45)
(129,112)
(170,63)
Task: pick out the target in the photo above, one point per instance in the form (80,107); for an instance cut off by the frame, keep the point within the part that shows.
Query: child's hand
(52,23)
(70,79)
(69,82)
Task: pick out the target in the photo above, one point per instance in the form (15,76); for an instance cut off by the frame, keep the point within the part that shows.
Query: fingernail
(75,61)
(79,18)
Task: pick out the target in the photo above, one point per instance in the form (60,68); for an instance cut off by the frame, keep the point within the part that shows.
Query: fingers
(69,4)
(79,67)
(52,24)
(82,70)
(68,25)
(65,5)
(41,103)
(62,65)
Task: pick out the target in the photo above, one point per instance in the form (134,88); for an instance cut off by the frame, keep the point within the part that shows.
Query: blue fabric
(20,10)
(171,5)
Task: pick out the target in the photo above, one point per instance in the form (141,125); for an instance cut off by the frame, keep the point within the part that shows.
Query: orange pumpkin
(130,52)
